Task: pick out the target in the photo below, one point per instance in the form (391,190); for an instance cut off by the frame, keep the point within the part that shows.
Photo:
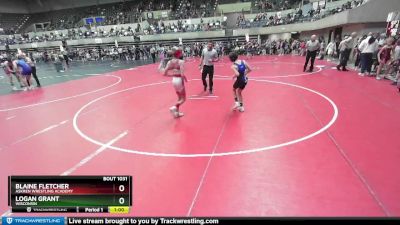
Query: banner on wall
(393,20)
(393,28)
(321,4)
(393,16)
(164,14)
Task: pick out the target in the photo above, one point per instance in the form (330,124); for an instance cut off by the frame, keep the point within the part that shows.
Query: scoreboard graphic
(70,194)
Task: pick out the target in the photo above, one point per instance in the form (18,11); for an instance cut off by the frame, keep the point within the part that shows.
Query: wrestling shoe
(236,106)
(179,114)
(173,111)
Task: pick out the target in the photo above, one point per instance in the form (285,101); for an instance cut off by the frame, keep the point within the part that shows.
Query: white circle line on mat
(283,76)
(247,151)
(119,79)
(320,67)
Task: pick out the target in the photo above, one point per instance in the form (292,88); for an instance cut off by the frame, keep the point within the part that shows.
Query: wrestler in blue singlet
(26,69)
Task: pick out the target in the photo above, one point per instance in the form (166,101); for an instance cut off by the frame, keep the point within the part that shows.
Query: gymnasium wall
(37,6)
(361,29)
(281,36)
(7,6)
(234,7)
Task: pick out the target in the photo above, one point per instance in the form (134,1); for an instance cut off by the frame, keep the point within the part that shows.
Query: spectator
(331,50)
(345,49)
(367,48)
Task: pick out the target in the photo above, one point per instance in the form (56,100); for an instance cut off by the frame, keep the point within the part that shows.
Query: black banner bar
(223,221)
(102,209)
(131,189)
(9,191)
(44,209)
(61,179)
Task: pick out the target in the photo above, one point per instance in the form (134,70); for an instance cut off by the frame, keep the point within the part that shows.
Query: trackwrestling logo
(9,220)
(33,220)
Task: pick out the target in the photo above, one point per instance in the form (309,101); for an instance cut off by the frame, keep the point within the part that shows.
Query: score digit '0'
(121,200)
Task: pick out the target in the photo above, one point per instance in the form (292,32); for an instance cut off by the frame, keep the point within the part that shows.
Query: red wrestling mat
(308,144)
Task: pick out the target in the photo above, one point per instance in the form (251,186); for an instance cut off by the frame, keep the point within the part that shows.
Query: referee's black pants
(312,55)
(344,57)
(35,76)
(208,70)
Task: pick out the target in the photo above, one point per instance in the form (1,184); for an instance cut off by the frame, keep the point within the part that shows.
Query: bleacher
(232,1)
(72,18)
(12,23)
(67,23)
(195,9)
(283,16)
(119,13)
(63,19)
(261,6)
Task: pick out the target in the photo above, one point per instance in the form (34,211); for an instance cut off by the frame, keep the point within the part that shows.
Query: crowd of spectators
(132,12)
(321,12)
(253,47)
(274,5)
(195,9)
(183,26)
(265,19)
(118,13)
(78,33)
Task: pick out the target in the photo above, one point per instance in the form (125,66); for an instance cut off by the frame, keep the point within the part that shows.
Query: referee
(208,57)
(312,47)
(345,49)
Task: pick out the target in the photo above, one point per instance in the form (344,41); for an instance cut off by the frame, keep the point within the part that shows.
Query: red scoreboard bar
(88,194)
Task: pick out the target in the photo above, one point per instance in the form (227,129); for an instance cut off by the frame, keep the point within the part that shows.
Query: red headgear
(178,53)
